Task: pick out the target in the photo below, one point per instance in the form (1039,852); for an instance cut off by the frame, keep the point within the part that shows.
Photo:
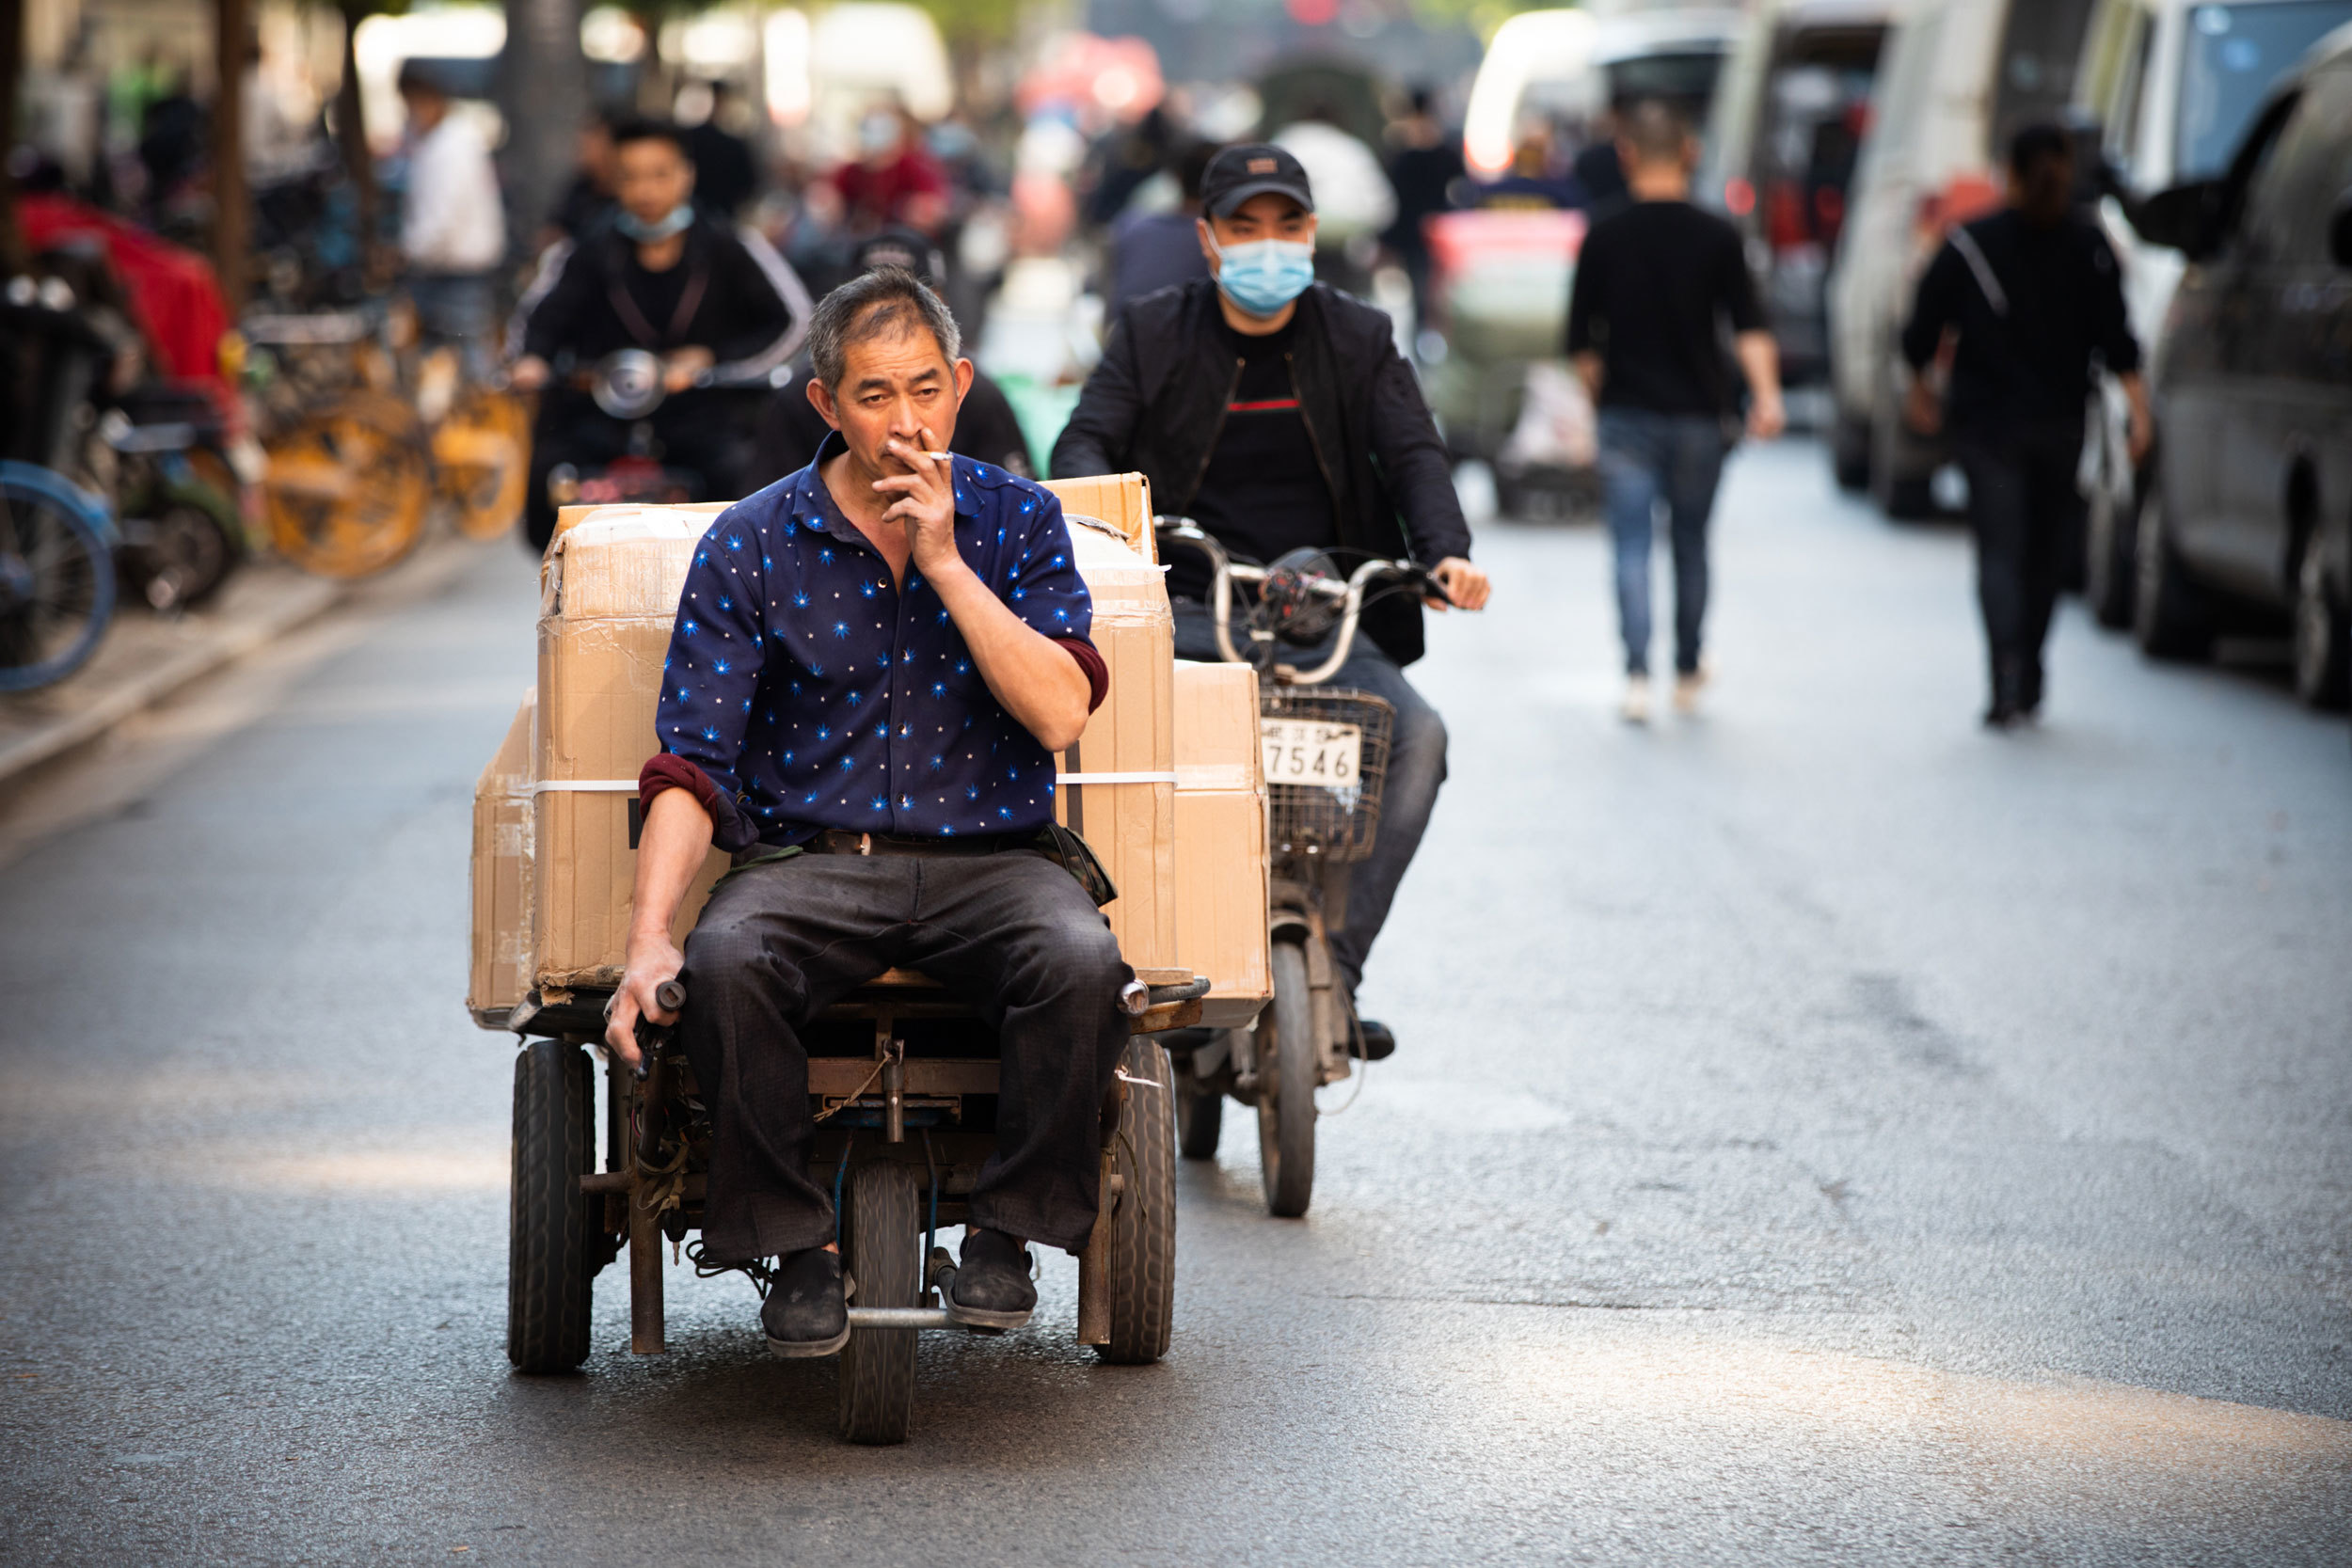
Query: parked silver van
(2172,85)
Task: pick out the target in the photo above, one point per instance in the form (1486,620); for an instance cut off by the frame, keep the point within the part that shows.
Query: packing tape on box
(1167,778)
(1215,775)
(586,786)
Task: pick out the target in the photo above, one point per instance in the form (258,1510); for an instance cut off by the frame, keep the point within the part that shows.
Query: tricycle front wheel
(551,1253)
(1289,1056)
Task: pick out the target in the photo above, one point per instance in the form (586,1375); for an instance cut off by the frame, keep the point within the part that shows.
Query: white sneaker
(1686,690)
(1634,709)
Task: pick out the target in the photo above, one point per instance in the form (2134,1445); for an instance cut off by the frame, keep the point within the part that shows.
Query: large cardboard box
(609,594)
(1117,786)
(1221,840)
(501,973)
(1123,501)
(609,588)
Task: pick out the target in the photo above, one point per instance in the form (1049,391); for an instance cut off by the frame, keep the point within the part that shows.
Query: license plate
(1306,751)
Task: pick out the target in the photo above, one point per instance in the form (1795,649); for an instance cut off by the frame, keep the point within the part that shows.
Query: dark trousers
(1408,794)
(1012,933)
(702,433)
(2025,507)
(1646,458)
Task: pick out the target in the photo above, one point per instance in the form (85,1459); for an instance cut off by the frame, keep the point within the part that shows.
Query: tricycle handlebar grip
(671,994)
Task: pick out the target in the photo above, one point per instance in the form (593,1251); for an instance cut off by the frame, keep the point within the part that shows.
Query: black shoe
(1374,1042)
(2003,715)
(808,1310)
(992,1288)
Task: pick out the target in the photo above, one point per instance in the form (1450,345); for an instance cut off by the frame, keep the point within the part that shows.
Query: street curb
(312,598)
(76,730)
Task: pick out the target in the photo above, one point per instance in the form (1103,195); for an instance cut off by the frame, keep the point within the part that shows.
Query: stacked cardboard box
(609,595)
(1123,501)
(1118,786)
(1221,840)
(609,589)
(500,975)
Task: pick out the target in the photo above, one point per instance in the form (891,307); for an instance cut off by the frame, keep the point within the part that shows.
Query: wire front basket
(1337,821)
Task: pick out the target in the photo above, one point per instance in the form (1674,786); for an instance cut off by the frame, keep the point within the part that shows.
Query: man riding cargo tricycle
(855,969)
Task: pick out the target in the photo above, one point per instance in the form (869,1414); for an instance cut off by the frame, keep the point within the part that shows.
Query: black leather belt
(839,841)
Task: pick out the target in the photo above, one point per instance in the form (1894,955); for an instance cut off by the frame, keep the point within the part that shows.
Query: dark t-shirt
(1264,494)
(1653,286)
(2028,345)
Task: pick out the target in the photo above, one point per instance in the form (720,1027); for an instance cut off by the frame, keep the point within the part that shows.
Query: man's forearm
(1759,361)
(1033,677)
(672,848)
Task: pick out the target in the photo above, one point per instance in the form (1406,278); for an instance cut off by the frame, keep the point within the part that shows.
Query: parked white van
(1960,77)
(1782,144)
(2174,85)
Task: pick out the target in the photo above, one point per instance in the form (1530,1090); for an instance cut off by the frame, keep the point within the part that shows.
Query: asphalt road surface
(1822,1133)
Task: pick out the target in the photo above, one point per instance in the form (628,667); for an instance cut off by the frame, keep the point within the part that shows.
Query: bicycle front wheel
(348,487)
(57,577)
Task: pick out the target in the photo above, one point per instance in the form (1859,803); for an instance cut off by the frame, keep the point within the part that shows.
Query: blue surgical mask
(1265,275)
(672,222)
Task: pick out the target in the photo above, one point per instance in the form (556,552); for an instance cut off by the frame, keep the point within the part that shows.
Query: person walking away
(1277,412)
(1424,163)
(452,227)
(1656,284)
(1152,250)
(725,176)
(2022,306)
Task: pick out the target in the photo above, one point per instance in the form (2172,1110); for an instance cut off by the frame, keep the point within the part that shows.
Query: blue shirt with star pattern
(814,694)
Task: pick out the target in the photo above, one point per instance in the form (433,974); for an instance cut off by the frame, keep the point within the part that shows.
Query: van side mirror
(2183,218)
(2339,233)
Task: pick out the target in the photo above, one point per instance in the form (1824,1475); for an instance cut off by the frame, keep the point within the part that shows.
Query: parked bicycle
(1325,753)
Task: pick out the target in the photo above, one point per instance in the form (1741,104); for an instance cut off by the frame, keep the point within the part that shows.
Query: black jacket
(1155,404)
(739,300)
(2029,332)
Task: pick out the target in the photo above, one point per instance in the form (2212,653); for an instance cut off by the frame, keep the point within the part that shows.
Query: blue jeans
(1644,458)
(458,308)
(1410,793)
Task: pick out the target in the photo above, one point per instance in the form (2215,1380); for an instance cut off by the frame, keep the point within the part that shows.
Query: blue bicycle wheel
(57,577)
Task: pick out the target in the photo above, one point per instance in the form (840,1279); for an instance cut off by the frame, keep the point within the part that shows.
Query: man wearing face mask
(711,299)
(1276,413)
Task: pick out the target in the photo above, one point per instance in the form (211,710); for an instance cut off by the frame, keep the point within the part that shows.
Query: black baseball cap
(1252,168)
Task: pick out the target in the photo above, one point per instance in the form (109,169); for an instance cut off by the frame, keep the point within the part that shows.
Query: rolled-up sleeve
(716,651)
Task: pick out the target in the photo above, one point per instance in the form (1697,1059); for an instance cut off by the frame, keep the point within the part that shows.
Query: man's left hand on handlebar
(680,370)
(1466,586)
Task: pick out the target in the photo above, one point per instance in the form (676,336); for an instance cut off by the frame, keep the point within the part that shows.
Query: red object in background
(1785,226)
(1456,239)
(1116,76)
(1963,197)
(178,299)
(1738,196)
(1313,13)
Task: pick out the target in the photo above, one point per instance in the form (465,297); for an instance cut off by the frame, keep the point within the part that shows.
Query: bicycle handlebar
(1350,595)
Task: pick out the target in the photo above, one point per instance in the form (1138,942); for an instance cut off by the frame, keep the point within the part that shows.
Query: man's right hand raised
(650,963)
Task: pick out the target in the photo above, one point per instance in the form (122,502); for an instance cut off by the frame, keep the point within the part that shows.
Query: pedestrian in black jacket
(2023,307)
(1276,413)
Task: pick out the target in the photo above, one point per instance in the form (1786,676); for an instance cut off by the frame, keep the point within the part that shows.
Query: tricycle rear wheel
(1199,1115)
(1287,1065)
(880,1253)
(551,1253)
(1143,1214)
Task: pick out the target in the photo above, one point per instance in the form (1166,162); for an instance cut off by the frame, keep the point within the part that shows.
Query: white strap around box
(585,786)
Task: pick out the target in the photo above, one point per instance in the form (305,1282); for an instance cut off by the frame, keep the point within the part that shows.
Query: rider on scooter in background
(1276,413)
(715,302)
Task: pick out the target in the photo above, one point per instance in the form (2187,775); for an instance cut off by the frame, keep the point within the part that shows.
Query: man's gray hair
(885,302)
